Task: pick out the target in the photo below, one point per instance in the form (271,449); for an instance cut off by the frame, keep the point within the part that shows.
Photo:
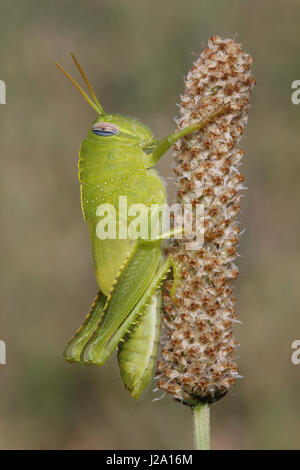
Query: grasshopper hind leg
(75,346)
(137,353)
(137,336)
(138,349)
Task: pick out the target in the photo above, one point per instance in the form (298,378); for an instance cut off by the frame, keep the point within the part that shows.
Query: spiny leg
(137,353)
(75,346)
(129,288)
(170,261)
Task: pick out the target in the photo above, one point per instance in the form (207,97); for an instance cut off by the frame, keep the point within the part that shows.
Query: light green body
(110,167)
(126,313)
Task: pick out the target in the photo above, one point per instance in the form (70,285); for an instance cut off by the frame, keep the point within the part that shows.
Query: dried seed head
(197,360)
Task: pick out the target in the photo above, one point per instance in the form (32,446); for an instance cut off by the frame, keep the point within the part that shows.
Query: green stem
(201,415)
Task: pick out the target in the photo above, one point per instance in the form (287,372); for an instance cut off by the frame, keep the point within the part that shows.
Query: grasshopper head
(121,129)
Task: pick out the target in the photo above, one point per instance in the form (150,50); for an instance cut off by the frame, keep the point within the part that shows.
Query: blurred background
(136,54)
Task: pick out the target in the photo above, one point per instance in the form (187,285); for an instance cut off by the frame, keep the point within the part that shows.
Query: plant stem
(201,415)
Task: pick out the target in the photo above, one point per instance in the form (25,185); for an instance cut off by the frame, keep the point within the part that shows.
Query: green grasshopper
(116,159)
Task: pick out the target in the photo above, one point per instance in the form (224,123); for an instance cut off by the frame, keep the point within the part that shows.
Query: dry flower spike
(197,362)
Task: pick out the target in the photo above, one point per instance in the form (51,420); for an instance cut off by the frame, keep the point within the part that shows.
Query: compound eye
(105,129)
